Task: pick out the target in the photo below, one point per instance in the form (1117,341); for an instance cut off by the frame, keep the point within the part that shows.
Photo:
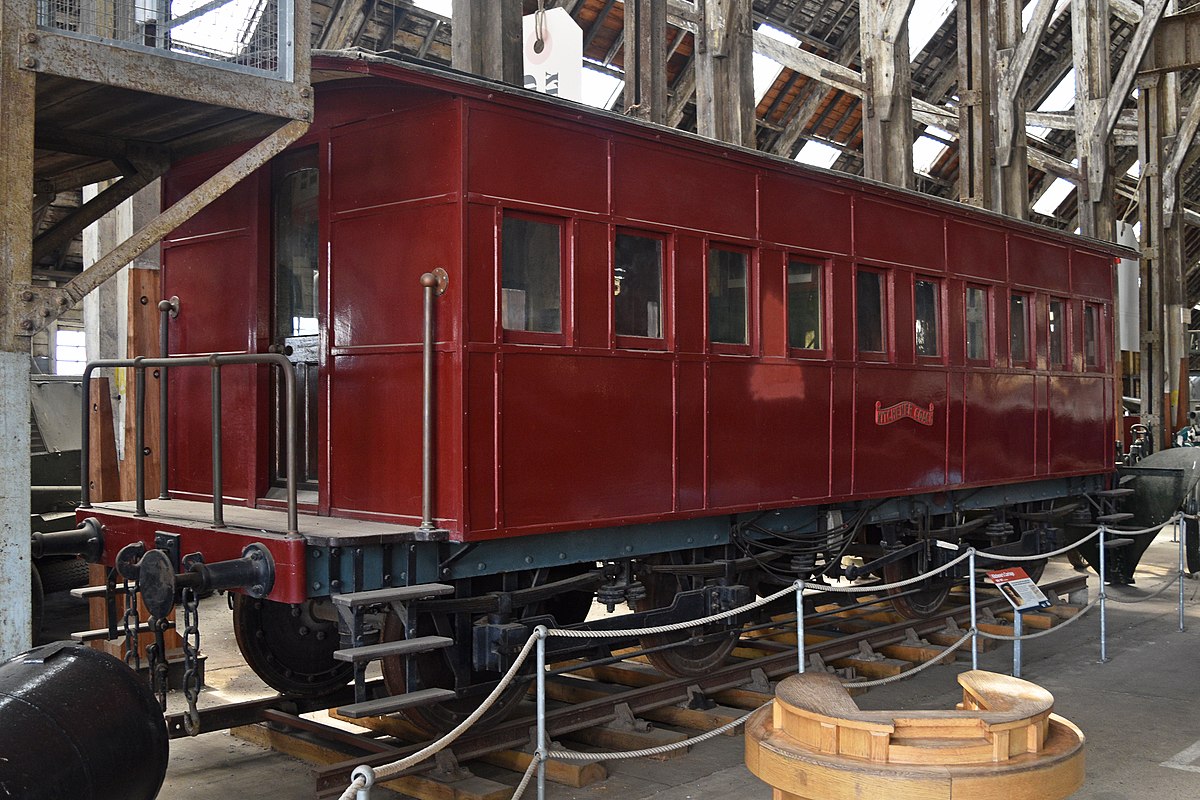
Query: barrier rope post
(800,626)
(1018,620)
(367,775)
(540,632)
(1103,599)
(1181,532)
(974,622)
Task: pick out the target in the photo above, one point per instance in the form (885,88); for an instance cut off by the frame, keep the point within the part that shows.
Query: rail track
(607,704)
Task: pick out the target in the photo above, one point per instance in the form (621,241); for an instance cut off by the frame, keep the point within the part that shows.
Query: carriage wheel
(685,661)
(920,600)
(288,647)
(435,673)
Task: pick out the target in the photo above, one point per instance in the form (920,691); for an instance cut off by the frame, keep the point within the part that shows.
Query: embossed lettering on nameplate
(902,410)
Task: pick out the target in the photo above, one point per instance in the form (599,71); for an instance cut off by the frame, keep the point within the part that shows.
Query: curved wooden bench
(1002,740)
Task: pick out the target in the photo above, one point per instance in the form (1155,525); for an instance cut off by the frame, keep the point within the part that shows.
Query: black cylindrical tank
(76,723)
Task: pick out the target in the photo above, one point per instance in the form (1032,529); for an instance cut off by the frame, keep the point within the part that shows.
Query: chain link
(191,667)
(156,653)
(130,621)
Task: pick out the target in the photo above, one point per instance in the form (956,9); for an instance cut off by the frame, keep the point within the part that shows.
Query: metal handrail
(214,361)
(433,285)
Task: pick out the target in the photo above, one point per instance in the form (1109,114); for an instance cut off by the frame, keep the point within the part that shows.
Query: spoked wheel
(684,661)
(435,672)
(288,647)
(919,600)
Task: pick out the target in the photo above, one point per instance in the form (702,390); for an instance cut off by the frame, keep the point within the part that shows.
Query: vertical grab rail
(218,493)
(214,362)
(139,436)
(167,309)
(434,285)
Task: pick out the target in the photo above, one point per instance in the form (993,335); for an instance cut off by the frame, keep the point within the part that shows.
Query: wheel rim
(918,601)
(684,661)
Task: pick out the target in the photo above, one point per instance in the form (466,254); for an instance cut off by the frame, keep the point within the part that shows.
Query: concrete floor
(1143,735)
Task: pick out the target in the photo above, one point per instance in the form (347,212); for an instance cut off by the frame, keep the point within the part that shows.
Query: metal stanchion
(974,618)
(800,626)
(1181,532)
(1103,599)
(540,754)
(1017,620)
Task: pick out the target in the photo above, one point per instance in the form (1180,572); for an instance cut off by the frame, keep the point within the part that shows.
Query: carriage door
(294,308)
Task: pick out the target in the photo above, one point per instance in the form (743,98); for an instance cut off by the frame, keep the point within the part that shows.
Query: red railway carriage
(698,367)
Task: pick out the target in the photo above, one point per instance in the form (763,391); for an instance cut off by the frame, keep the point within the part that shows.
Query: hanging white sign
(553,54)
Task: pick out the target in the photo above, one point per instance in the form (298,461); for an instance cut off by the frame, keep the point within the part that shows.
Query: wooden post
(486,39)
(976,46)
(646,60)
(887,74)
(725,73)
(1093,79)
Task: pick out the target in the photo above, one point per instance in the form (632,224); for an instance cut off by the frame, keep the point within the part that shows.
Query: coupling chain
(156,653)
(191,668)
(130,622)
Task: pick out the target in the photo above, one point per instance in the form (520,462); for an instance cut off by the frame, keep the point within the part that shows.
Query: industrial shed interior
(599,398)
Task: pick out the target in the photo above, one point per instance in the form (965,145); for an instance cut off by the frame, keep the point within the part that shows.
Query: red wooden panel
(401,156)
(955,422)
(527,157)
(1039,264)
(375,434)
(802,213)
(841,426)
(1000,427)
(690,442)
(1079,435)
(217,283)
(480,443)
(691,295)
(593,284)
(343,102)
(1041,385)
(584,439)
(767,433)
(377,261)
(773,291)
(1091,275)
(889,231)
(663,185)
(841,322)
(902,454)
(975,250)
(480,280)
(232,211)
(190,431)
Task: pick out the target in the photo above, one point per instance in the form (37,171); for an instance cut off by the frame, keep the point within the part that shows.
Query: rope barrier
(1005,638)
(389,770)
(529,772)
(678,626)
(1132,600)
(908,673)
(650,752)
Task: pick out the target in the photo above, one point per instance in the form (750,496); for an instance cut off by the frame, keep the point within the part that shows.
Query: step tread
(102,633)
(1122,492)
(1118,517)
(84,592)
(1110,544)
(394,594)
(386,705)
(400,647)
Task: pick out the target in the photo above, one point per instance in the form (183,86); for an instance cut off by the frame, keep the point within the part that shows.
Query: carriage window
(1091,336)
(728,298)
(977,327)
(297,279)
(925,313)
(1018,327)
(637,286)
(1058,333)
(869,308)
(804,305)
(531,275)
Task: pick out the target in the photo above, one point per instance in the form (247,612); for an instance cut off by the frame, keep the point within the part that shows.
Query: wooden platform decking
(273,522)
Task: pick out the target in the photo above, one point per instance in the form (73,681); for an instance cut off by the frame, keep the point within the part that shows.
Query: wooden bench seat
(1003,727)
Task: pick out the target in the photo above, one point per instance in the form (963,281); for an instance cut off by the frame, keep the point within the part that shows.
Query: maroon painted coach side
(576,425)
